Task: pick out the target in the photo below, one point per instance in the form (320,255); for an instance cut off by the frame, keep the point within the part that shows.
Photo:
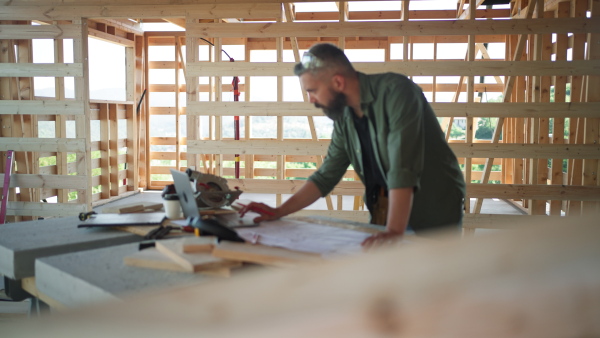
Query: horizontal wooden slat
(252,109)
(589,109)
(42,144)
(45,107)
(493,109)
(391,15)
(489,221)
(477,150)
(111,38)
(45,209)
(290,186)
(120,104)
(369,42)
(46,181)
(296,147)
(39,31)
(77,10)
(411,68)
(535,192)
(40,69)
(394,28)
(509,150)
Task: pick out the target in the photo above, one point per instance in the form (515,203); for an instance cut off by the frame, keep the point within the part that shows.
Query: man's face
(322,95)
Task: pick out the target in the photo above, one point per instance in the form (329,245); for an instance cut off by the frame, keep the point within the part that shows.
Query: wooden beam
(39,69)
(45,209)
(78,10)
(516,109)
(396,15)
(471,150)
(408,28)
(412,68)
(23,32)
(534,192)
(42,107)
(45,181)
(42,144)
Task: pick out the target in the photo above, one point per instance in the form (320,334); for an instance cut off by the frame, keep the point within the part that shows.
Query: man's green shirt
(410,149)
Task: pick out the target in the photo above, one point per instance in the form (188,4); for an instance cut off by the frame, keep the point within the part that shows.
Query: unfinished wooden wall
(538,37)
(101,170)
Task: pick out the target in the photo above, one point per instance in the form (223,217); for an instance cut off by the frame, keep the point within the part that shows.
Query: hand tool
(84,216)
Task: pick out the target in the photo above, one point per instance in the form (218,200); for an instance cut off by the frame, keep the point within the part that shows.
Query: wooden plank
(113,150)
(111,38)
(42,144)
(78,10)
(198,244)
(392,28)
(82,123)
(412,68)
(39,69)
(285,147)
(517,109)
(43,107)
(24,32)
(558,130)
(503,150)
(396,15)
(493,221)
(45,209)
(260,254)
(193,262)
(476,150)
(534,192)
(153,259)
(44,181)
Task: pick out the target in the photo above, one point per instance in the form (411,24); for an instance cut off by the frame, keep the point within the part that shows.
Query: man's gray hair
(324,56)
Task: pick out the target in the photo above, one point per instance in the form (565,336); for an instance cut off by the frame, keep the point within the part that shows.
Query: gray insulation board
(92,276)
(23,242)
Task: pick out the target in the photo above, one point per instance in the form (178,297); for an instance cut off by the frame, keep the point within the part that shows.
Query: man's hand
(382,238)
(266,212)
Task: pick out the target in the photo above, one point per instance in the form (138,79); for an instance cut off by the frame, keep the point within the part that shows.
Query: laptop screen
(185,193)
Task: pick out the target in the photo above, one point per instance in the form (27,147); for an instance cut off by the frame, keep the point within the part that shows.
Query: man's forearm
(306,196)
(399,207)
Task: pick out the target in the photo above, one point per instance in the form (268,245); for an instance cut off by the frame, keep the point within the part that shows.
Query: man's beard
(335,110)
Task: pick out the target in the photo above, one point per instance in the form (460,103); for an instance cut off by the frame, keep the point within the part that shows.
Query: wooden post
(471,49)
(218,92)
(280,158)
(113,150)
(592,125)
(560,86)
(193,122)
(575,169)
(82,122)
(178,61)
(249,159)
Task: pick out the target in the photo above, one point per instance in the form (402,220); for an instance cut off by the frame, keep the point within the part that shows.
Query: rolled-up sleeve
(335,164)
(406,138)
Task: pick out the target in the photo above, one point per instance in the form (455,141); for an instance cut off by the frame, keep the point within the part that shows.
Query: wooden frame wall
(22,111)
(521,144)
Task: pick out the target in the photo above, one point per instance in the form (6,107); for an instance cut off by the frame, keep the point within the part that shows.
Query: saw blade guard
(211,190)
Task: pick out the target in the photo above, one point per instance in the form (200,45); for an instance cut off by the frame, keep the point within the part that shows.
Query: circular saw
(211,190)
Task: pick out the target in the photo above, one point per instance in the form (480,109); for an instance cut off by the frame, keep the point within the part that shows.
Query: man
(386,129)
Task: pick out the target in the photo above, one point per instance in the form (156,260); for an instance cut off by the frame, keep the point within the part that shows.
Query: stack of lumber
(206,255)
